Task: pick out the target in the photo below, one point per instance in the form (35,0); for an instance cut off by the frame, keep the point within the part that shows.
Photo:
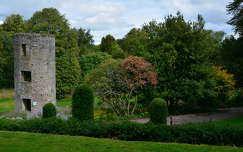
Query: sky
(117,17)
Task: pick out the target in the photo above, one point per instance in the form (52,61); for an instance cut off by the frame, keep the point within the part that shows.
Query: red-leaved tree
(118,83)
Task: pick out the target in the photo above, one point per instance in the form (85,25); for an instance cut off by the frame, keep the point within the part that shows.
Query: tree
(119,82)
(235,8)
(107,44)
(14,23)
(91,61)
(85,40)
(67,73)
(231,56)
(179,51)
(6,60)
(48,21)
(225,83)
(110,46)
(135,42)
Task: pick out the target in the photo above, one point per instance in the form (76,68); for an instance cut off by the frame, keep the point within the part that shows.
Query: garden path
(200,117)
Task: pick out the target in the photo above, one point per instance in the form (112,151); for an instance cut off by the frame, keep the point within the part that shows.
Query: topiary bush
(49,110)
(83,103)
(158,111)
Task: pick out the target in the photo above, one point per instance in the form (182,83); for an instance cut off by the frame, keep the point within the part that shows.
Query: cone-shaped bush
(158,111)
(49,111)
(83,103)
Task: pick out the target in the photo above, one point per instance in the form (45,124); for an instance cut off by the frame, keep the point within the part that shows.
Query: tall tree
(179,52)
(6,60)
(14,23)
(110,46)
(231,57)
(85,40)
(235,8)
(135,42)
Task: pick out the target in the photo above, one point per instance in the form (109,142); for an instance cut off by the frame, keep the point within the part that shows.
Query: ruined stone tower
(35,78)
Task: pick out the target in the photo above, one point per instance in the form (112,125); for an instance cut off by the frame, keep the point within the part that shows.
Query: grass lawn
(6,105)
(32,142)
(67,102)
(6,100)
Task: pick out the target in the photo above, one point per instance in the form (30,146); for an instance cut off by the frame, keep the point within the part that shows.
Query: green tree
(6,60)
(179,51)
(85,40)
(235,8)
(135,43)
(67,73)
(48,21)
(232,58)
(91,61)
(14,23)
(107,44)
(110,46)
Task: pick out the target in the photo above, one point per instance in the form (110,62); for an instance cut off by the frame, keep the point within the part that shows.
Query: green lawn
(32,142)
(6,105)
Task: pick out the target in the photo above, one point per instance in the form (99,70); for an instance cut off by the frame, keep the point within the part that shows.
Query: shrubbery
(207,133)
(158,111)
(83,103)
(49,110)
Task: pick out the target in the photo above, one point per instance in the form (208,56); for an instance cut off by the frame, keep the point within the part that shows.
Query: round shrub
(158,111)
(83,103)
(49,110)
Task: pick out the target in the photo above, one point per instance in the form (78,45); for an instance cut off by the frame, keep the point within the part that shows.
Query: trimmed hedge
(207,133)
(49,110)
(83,103)
(158,111)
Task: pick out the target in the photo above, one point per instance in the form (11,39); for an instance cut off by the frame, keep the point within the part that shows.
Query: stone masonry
(35,72)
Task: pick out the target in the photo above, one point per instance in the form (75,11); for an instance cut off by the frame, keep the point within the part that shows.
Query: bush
(158,111)
(83,103)
(207,133)
(49,110)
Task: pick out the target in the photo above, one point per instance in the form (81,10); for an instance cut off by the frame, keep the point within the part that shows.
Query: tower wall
(35,78)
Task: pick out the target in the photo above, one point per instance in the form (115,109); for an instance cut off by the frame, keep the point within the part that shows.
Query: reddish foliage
(139,72)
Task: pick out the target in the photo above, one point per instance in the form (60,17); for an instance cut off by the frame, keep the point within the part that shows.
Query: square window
(24,52)
(27,104)
(26,75)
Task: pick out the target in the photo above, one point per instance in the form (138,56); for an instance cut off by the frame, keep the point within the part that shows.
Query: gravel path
(201,117)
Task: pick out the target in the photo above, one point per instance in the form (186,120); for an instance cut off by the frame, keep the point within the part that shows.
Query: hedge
(49,110)
(207,133)
(83,103)
(158,111)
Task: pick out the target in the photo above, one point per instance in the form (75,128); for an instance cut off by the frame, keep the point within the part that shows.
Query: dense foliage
(174,59)
(119,82)
(49,110)
(83,103)
(208,133)
(158,111)
(91,61)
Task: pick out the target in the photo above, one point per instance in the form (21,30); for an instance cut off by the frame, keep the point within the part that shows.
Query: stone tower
(35,72)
